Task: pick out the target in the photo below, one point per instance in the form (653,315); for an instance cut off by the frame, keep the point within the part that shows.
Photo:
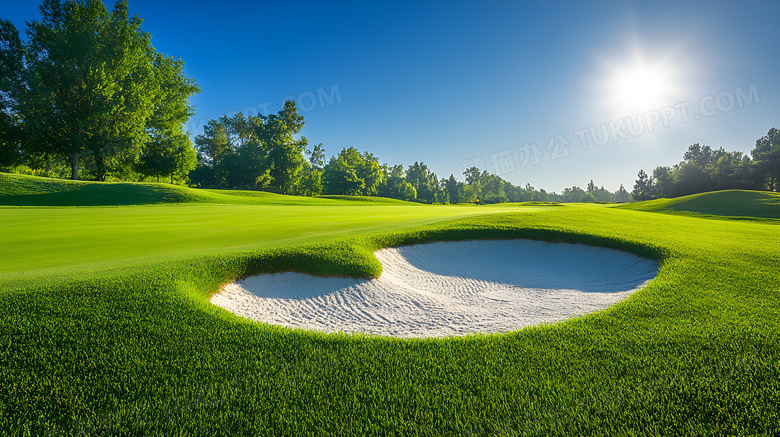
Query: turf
(138,350)
(731,203)
(23,190)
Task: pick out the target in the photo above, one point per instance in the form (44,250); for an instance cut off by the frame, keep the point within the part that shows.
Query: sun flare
(639,85)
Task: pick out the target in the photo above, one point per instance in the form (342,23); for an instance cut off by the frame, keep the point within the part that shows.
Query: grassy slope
(735,203)
(22,190)
(141,351)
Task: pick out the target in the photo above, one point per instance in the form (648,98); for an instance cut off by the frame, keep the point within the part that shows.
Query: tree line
(705,169)
(86,95)
(261,153)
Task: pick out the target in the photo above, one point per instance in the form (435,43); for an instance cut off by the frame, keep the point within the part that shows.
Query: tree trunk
(48,166)
(171,178)
(158,178)
(74,166)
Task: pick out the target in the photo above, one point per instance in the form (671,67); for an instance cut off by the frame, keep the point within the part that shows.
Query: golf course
(107,328)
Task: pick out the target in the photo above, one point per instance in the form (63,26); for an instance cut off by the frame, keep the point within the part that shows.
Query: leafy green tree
(493,189)
(395,185)
(167,155)
(699,155)
(663,182)
(467,193)
(339,177)
(621,195)
(766,156)
(451,187)
(354,173)
(317,156)
(311,182)
(213,148)
(11,88)
(576,194)
(88,82)
(284,159)
(691,178)
(424,182)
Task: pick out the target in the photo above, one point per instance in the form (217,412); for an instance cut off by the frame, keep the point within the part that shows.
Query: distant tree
(311,181)
(285,158)
(369,169)
(451,186)
(643,187)
(691,178)
(474,175)
(317,156)
(395,185)
(621,195)
(698,155)
(467,193)
(493,189)
(424,182)
(663,182)
(339,177)
(576,194)
(766,157)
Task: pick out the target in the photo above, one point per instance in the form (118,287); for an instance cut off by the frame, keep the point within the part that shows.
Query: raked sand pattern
(447,288)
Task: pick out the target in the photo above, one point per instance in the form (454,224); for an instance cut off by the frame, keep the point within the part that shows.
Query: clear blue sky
(456,83)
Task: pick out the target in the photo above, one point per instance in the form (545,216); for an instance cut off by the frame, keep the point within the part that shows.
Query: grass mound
(370,199)
(23,190)
(734,203)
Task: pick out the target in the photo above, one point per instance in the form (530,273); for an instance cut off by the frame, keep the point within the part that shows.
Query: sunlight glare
(638,85)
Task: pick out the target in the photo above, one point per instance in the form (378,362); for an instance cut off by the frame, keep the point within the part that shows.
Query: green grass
(136,349)
(732,203)
(23,190)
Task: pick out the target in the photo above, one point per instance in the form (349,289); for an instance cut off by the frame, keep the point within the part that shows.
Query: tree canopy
(87,85)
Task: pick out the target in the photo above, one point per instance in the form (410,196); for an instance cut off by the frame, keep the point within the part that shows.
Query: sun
(637,85)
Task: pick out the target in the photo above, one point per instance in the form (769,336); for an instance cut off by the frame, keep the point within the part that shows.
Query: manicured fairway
(44,238)
(138,350)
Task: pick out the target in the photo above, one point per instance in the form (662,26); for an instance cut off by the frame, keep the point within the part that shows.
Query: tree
(311,182)
(698,155)
(339,177)
(451,186)
(317,156)
(643,187)
(89,82)
(354,174)
(167,155)
(395,185)
(11,88)
(285,159)
(621,195)
(766,156)
(663,182)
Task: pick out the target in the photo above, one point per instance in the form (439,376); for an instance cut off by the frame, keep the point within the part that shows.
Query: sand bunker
(449,288)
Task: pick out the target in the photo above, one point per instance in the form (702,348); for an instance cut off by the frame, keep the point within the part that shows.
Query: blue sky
(537,92)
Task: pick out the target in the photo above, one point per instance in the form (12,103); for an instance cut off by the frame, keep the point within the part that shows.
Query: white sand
(444,289)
